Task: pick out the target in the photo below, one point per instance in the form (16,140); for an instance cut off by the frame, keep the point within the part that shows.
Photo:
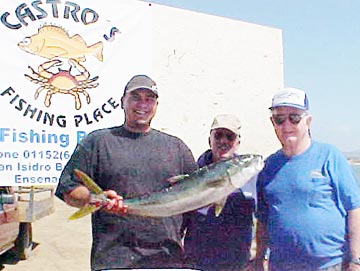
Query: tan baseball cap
(227,121)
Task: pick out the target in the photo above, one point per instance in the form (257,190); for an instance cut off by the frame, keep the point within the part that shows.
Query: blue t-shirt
(304,200)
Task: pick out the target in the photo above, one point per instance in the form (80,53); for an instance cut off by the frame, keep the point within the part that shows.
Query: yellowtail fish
(53,41)
(208,185)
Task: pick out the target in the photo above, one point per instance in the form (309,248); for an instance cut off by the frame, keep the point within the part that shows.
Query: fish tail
(88,182)
(83,211)
(97,50)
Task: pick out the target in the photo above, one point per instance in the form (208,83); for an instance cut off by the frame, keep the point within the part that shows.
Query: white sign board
(63,67)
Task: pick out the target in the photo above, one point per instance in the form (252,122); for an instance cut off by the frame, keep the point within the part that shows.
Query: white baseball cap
(291,97)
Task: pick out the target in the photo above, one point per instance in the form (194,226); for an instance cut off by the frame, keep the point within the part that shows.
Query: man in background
(214,243)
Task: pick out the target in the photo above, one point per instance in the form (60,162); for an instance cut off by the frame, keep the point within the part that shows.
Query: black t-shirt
(132,164)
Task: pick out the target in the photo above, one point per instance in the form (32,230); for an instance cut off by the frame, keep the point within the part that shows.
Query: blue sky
(321,41)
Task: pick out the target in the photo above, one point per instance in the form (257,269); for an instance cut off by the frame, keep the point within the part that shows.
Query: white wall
(206,65)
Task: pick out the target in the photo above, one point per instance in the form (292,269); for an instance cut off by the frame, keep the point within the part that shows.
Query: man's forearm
(261,239)
(261,247)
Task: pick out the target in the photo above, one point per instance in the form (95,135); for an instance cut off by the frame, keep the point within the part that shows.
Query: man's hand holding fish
(89,197)
(114,203)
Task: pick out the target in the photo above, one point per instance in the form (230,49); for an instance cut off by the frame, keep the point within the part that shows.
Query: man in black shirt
(223,242)
(128,161)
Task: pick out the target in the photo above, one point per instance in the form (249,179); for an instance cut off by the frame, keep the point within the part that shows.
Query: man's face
(291,125)
(223,143)
(140,108)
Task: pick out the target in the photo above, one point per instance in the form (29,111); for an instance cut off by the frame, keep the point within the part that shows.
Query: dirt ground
(60,244)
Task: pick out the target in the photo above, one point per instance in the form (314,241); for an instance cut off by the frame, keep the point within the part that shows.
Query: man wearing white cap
(308,197)
(129,160)
(214,243)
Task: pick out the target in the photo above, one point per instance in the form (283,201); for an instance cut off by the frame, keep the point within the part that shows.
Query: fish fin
(80,59)
(83,211)
(98,50)
(175,179)
(219,206)
(88,182)
(53,28)
(79,39)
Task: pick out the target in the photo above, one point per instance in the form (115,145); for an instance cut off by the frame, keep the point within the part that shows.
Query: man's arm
(354,236)
(259,263)
(261,247)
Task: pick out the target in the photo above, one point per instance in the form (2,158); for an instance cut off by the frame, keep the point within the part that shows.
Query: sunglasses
(229,136)
(293,118)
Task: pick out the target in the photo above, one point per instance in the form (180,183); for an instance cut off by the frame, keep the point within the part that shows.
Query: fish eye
(27,41)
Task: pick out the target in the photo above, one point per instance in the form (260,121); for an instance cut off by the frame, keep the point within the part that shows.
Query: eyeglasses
(229,136)
(293,118)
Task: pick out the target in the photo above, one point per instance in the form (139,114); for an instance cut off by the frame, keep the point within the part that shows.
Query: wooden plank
(35,203)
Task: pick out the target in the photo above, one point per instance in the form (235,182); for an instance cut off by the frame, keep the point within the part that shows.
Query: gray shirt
(132,164)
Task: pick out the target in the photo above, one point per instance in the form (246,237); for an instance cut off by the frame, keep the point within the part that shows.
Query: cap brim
(142,88)
(227,128)
(288,105)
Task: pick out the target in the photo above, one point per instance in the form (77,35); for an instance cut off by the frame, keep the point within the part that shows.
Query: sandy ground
(59,244)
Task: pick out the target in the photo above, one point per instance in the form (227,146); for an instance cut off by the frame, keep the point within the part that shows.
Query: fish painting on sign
(210,184)
(54,43)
